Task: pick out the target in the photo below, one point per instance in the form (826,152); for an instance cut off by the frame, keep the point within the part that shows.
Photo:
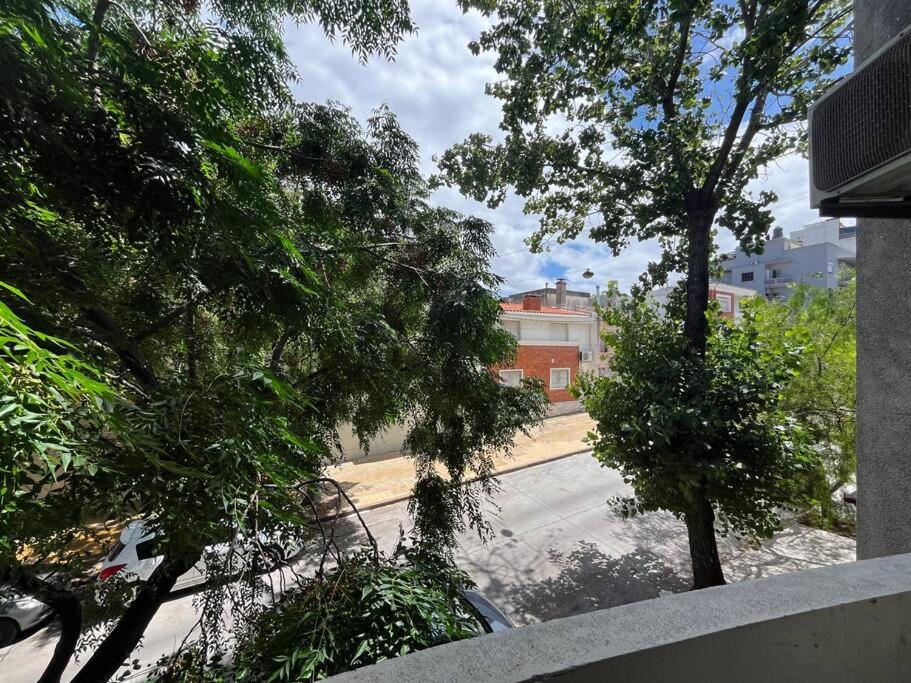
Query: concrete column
(883,343)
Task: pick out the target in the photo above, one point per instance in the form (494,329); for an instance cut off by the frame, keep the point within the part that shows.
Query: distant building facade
(557,296)
(729,297)
(815,255)
(555,343)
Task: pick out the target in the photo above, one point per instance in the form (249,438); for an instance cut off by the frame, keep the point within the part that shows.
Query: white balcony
(776,281)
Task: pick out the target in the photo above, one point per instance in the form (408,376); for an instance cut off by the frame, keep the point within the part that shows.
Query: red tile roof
(545,310)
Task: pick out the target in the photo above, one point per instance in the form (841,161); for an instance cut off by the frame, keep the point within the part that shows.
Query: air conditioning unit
(586,356)
(860,138)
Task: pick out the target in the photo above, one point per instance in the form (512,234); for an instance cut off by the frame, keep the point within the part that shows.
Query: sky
(435,86)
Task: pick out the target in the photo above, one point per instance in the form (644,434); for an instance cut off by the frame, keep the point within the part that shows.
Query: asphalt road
(557,549)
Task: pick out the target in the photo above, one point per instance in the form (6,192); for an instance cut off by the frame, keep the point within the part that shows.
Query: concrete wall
(883,343)
(386,443)
(842,624)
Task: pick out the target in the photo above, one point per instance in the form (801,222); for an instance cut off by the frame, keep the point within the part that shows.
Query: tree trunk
(122,640)
(68,610)
(700,521)
(701,215)
(700,527)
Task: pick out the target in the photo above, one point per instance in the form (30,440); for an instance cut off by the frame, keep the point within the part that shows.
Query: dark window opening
(746,277)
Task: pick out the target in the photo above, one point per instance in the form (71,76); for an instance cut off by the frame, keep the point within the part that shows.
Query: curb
(399,499)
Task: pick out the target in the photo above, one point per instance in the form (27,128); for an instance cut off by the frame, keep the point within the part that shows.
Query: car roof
(135,531)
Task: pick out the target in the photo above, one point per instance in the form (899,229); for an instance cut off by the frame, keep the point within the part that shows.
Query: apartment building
(815,255)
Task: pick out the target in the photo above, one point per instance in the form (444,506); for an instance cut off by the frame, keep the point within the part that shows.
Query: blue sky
(436,88)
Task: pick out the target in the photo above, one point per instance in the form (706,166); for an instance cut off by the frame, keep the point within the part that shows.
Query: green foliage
(822,396)
(247,275)
(367,609)
(634,120)
(54,412)
(681,430)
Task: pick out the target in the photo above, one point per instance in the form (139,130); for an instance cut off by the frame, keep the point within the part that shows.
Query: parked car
(18,613)
(135,556)
(493,616)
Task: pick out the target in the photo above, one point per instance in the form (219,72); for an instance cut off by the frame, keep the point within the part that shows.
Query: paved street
(557,550)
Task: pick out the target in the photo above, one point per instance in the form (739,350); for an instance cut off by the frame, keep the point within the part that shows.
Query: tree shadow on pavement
(591,580)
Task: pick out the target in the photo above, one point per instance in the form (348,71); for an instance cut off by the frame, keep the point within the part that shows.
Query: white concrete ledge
(844,623)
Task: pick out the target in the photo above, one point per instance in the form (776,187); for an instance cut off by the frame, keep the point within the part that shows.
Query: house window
(559,378)
(746,277)
(604,371)
(512,378)
(559,332)
(512,326)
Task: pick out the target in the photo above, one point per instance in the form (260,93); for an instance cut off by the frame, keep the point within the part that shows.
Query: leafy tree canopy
(217,279)
(632,119)
(822,397)
(687,433)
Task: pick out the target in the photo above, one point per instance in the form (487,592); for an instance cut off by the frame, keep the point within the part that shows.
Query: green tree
(224,277)
(648,120)
(687,432)
(822,396)
(367,608)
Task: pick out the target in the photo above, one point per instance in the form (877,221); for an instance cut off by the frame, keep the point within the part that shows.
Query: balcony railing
(846,623)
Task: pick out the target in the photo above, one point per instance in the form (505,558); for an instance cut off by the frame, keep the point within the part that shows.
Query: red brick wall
(713,294)
(537,361)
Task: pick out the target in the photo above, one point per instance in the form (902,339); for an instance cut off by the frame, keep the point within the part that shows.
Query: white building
(814,255)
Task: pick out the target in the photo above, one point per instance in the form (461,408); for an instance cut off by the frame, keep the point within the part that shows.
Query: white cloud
(436,88)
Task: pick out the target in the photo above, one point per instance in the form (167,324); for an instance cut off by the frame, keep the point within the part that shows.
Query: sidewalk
(371,482)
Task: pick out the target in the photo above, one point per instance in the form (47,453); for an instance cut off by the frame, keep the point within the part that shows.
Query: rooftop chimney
(531,302)
(561,293)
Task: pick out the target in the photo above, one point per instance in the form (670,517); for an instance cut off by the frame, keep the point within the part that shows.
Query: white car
(135,557)
(18,613)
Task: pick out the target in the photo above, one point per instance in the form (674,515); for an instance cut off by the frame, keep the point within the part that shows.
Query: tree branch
(132,20)
(679,58)
(727,142)
(753,127)
(175,314)
(94,44)
(668,105)
(279,348)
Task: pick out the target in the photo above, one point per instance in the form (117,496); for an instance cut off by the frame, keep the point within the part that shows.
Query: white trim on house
(544,342)
(568,317)
(512,371)
(569,377)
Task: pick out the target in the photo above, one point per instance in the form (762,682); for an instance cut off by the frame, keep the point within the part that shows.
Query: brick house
(555,344)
